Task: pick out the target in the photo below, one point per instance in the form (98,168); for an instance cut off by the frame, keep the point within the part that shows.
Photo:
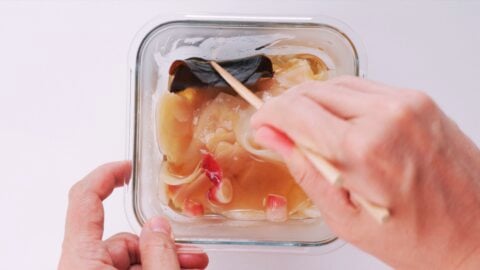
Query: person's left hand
(83,247)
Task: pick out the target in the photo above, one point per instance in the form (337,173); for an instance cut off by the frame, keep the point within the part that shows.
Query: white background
(63,80)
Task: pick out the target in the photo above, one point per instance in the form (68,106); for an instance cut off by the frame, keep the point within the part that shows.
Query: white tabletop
(63,81)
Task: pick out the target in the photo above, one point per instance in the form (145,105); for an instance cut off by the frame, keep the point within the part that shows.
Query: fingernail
(161,225)
(269,138)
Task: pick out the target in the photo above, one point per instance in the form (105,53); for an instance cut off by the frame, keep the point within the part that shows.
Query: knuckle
(344,80)
(104,168)
(124,239)
(305,87)
(399,112)
(294,100)
(420,101)
(302,176)
(88,205)
(413,104)
(91,251)
(159,242)
(79,188)
(360,149)
(77,194)
(74,191)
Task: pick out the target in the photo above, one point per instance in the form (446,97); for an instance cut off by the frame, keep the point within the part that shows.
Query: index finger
(85,210)
(303,121)
(343,98)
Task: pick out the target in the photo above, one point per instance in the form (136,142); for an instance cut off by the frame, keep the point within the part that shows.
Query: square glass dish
(219,39)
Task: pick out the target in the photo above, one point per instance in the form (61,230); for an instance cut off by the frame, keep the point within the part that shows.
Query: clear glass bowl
(222,38)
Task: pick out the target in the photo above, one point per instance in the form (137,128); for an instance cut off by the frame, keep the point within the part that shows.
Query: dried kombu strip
(197,72)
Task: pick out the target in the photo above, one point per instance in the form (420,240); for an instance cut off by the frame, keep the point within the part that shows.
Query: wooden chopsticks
(328,171)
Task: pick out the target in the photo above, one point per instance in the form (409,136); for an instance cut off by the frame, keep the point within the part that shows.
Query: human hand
(395,148)
(83,247)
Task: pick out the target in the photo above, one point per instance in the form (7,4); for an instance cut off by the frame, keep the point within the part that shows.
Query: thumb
(157,248)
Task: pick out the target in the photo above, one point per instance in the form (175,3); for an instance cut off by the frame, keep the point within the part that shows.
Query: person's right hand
(397,149)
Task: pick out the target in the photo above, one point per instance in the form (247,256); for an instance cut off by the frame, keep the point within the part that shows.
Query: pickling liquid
(211,163)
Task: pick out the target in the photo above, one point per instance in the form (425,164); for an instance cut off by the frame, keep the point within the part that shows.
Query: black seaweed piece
(197,72)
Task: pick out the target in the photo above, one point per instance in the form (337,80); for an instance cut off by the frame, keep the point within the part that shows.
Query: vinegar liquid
(197,125)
